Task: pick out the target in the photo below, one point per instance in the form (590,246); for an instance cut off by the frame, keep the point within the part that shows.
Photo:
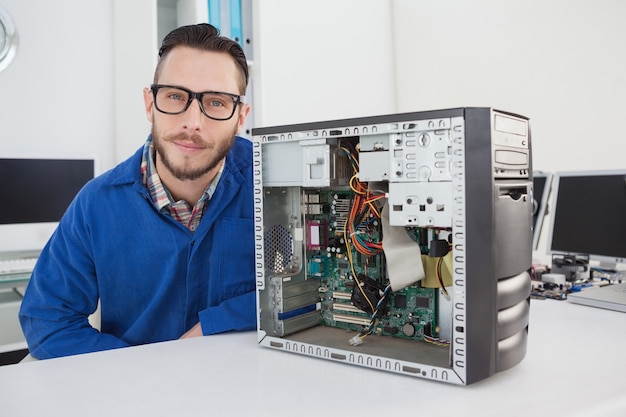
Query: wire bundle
(380,307)
(363,210)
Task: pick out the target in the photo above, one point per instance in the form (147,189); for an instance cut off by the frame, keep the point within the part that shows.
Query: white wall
(322,60)
(57,95)
(560,62)
(134,30)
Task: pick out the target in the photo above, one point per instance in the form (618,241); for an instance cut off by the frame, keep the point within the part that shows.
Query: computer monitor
(35,191)
(588,215)
(541,190)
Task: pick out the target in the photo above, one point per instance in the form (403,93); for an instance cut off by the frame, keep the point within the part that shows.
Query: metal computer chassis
(464,170)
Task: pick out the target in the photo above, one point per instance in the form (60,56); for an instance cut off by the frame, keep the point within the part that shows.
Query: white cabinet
(12,341)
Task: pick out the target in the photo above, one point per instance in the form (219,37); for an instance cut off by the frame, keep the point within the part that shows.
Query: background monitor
(588,215)
(34,194)
(542,182)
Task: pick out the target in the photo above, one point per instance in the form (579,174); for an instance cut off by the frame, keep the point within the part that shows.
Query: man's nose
(193,116)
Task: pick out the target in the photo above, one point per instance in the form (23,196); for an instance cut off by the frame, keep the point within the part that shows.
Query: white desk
(575,366)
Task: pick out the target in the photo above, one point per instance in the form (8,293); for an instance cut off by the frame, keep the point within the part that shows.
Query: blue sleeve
(235,314)
(60,296)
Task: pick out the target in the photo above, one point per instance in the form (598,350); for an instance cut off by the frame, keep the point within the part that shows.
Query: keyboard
(17,266)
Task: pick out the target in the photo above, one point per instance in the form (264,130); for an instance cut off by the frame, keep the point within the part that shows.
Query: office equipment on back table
(35,191)
(588,217)
(15,268)
(610,297)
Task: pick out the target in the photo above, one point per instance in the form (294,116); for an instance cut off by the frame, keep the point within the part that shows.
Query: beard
(186,169)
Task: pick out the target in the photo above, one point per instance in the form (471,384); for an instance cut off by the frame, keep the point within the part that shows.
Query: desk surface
(575,366)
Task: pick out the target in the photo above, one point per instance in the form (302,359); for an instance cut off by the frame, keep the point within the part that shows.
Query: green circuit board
(409,313)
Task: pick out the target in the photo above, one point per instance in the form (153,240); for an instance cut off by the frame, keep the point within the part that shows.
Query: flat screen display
(588,215)
(34,194)
(39,190)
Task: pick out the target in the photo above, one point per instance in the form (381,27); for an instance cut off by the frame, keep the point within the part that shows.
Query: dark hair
(205,37)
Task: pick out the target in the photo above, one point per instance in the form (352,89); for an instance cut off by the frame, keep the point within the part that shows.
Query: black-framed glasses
(216,105)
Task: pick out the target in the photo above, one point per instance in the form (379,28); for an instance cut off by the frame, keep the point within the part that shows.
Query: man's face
(190,145)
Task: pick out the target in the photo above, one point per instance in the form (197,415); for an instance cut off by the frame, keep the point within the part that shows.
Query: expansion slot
(351,319)
(347,307)
(341,295)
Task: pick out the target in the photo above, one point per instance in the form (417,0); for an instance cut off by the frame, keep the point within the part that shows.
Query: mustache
(185,137)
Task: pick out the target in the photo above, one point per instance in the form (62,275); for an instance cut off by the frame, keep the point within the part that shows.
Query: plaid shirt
(180,210)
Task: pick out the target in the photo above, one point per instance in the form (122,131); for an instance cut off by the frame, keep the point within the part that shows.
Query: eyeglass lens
(215,105)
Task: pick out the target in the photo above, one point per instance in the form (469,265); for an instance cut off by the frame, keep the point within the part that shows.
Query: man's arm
(62,293)
(235,314)
(55,311)
(51,339)
(238,317)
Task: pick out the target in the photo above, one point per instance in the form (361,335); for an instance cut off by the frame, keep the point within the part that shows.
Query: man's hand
(195,331)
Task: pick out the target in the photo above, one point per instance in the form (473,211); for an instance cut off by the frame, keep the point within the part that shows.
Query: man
(164,241)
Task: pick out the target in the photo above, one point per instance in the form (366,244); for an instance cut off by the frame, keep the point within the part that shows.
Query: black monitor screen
(539,184)
(40,190)
(589,215)
(541,189)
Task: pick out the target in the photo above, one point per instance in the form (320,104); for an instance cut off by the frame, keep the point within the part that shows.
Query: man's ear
(243,114)
(148,100)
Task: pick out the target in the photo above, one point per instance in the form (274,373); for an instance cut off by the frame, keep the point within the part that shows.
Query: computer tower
(399,242)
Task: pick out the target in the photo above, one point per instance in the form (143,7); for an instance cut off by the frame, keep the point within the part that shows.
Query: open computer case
(399,242)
